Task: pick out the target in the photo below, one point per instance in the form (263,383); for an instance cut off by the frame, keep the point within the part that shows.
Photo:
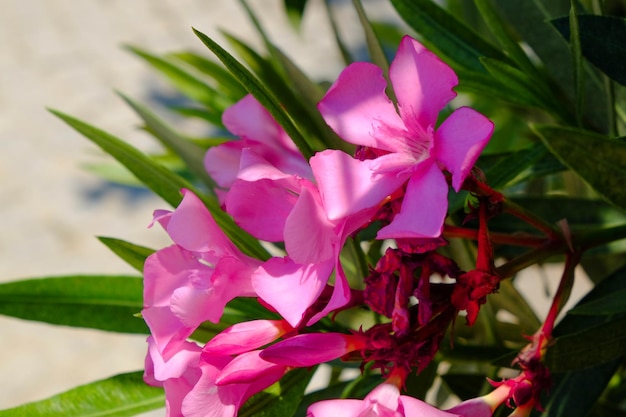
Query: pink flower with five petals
(415,150)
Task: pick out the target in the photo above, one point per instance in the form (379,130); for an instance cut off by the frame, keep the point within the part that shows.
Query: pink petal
(249,120)
(222,162)
(245,336)
(310,349)
(247,368)
(187,356)
(261,207)
(192,227)
(291,288)
(422,83)
(424,206)
(309,236)
(348,185)
(334,408)
(459,141)
(356,106)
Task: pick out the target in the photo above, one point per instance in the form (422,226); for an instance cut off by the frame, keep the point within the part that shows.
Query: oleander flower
(413,149)
(191,281)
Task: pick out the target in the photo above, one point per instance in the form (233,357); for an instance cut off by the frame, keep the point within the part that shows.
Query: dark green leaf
(92,301)
(521,86)
(501,32)
(163,182)
(134,255)
(189,152)
(119,396)
(259,92)
(531,20)
(281,399)
(225,82)
(588,347)
(503,172)
(601,41)
(295,11)
(575,393)
(443,32)
(614,303)
(188,84)
(601,162)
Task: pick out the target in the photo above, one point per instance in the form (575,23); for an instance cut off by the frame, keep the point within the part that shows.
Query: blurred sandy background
(66,54)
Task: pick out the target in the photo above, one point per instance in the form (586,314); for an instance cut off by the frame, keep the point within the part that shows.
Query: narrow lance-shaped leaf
(189,152)
(498,28)
(444,32)
(225,82)
(269,75)
(92,301)
(600,161)
(162,181)
(295,11)
(134,255)
(259,92)
(119,396)
(190,85)
(601,42)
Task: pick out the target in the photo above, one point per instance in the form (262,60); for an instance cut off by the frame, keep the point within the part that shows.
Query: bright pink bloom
(209,399)
(191,282)
(261,170)
(310,349)
(384,401)
(313,244)
(177,375)
(357,108)
(246,336)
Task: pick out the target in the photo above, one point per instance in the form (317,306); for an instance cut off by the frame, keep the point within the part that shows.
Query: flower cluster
(396,184)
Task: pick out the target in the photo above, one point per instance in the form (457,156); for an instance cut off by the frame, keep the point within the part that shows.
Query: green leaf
(445,33)
(576,392)
(501,32)
(188,84)
(601,42)
(119,396)
(163,182)
(258,90)
(189,152)
(93,301)
(502,173)
(134,255)
(295,11)
(225,82)
(522,87)
(608,305)
(281,399)
(531,21)
(588,347)
(599,161)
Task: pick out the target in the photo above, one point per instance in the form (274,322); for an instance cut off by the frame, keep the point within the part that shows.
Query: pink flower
(263,166)
(191,282)
(313,244)
(208,398)
(357,108)
(311,349)
(384,401)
